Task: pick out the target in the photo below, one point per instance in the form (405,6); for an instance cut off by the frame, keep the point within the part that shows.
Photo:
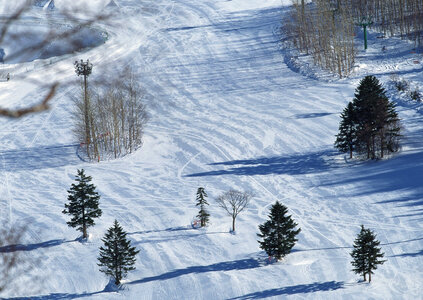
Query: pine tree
(366,254)
(203,215)
(346,138)
(117,257)
(370,125)
(83,203)
(278,233)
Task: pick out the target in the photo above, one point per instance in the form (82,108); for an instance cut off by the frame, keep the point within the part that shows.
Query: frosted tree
(83,203)
(278,234)
(117,256)
(366,253)
(234,202)
(203,215)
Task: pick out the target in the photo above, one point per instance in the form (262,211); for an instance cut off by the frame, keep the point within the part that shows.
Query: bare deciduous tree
(117,117)
(234,202)
(325,29)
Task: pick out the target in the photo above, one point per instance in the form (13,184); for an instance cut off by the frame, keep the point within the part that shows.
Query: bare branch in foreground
(42,106)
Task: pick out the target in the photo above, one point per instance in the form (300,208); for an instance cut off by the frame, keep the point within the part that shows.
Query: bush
(416,95)
(401,85)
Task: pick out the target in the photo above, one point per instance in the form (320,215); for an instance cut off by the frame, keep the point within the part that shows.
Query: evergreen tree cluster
(117,257)
(278,234)
(278,237)
(369,124)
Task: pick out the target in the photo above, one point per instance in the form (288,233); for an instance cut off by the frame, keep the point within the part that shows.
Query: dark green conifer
(278,233)
(366,253)
(83,203)
(346,138)
(203,215)
(117,257)
(375,128)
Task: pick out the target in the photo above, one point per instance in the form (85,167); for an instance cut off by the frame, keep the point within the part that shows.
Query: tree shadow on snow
(39,158)
(170,229)
(295,289)
(312,115)
(242,264)
(109,288)
(30,247)
(297,164)
(401,174)
(414,254)
(57,296)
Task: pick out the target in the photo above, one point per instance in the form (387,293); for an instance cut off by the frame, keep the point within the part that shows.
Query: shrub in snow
(401,85)
(83,204)
(416,95)
(278,234)
(366,254)
(117,256)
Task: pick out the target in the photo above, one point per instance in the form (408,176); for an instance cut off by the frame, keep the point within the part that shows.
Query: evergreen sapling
(117,256)
(278,234)
(83,204)
(203,215)
(366,253)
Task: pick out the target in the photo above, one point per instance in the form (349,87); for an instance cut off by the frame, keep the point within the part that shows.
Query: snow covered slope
(226,112)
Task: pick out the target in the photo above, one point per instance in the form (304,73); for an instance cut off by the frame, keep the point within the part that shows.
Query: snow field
(226,112)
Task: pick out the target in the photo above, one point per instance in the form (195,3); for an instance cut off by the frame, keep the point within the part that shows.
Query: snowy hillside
(228,110)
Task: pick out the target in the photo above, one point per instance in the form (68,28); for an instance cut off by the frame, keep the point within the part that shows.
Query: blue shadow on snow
(295,289)
(296,164)
(30,247)
(242,264)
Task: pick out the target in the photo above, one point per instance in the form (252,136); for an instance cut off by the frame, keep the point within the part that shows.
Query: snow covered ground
(226,112)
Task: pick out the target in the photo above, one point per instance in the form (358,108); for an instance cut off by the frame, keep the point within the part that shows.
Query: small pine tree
(203,215)
(117,257)
(278,233)
(345,139)
(83,203)
(366,254)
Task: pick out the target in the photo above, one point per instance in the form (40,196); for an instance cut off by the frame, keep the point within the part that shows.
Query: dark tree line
(369,124)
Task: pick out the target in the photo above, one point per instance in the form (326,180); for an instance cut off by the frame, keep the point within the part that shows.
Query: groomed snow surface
(227,111)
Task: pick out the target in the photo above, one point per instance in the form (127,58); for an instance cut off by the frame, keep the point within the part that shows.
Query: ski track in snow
(226,112)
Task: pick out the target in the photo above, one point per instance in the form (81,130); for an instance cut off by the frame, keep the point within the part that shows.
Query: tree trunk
(370,276)
(87,111)
(233,223)
(84,225)
(364,275)
(117,277)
